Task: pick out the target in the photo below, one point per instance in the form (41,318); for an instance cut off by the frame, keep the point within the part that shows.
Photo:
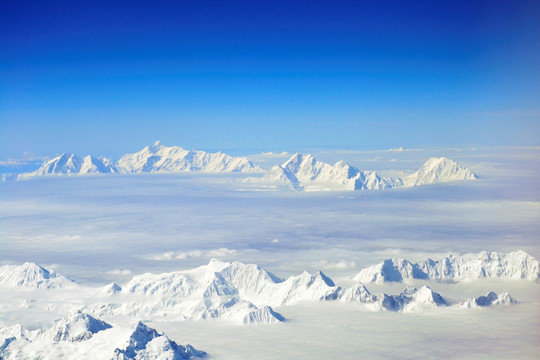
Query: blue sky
(110,77)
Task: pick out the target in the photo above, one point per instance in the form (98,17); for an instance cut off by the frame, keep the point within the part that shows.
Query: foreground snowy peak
(73,164)
(32,275)
(466,267)
(147,343)
(81,336)
(160,158)
(77,327)
(439,170)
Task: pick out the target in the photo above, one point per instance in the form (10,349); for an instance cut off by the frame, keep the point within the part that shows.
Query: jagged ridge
(467,267)
(304,172)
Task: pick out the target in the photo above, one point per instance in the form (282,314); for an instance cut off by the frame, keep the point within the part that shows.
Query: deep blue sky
(110,77)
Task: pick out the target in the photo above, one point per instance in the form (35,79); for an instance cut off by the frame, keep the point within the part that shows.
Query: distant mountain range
(302,172)
(156,158)
(455,267)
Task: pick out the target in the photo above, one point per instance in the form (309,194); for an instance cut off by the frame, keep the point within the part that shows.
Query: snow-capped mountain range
(304,172)
(455,267)
(160,158)
(248,294)
(73,164)
(232,290)
(82,336)
(156,158)
(301,172)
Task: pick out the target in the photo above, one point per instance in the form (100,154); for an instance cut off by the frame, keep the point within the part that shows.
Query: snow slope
(466,267)
(73,164)
(81,336)
(32,275)
(160,158)
(437,170)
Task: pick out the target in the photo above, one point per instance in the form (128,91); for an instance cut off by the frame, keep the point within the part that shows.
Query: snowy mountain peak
(111,289)
(147,343)
(32,275)
(160,158)
(439,170)
(304,172)
(491,298)
(64,164)
(78,327)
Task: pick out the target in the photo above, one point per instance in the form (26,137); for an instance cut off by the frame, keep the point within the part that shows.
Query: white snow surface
(32,275)
(455,267)
(81,336)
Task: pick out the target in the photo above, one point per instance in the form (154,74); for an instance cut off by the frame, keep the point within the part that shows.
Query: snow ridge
(154,158)
(147,343)
(32,275)
(160,158)
(246,293)
(466,267)
(490,299)
(78,327)
(302,172)
(73,164)
(82,336)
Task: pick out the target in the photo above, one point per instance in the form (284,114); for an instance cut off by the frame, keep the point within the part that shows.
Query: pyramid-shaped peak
(325,278)
(79,326)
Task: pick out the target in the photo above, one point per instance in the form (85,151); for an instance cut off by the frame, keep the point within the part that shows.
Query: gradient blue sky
(110,77)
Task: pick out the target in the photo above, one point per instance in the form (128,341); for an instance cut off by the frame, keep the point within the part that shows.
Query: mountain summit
(439,170)
(303,171)
(160,158)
